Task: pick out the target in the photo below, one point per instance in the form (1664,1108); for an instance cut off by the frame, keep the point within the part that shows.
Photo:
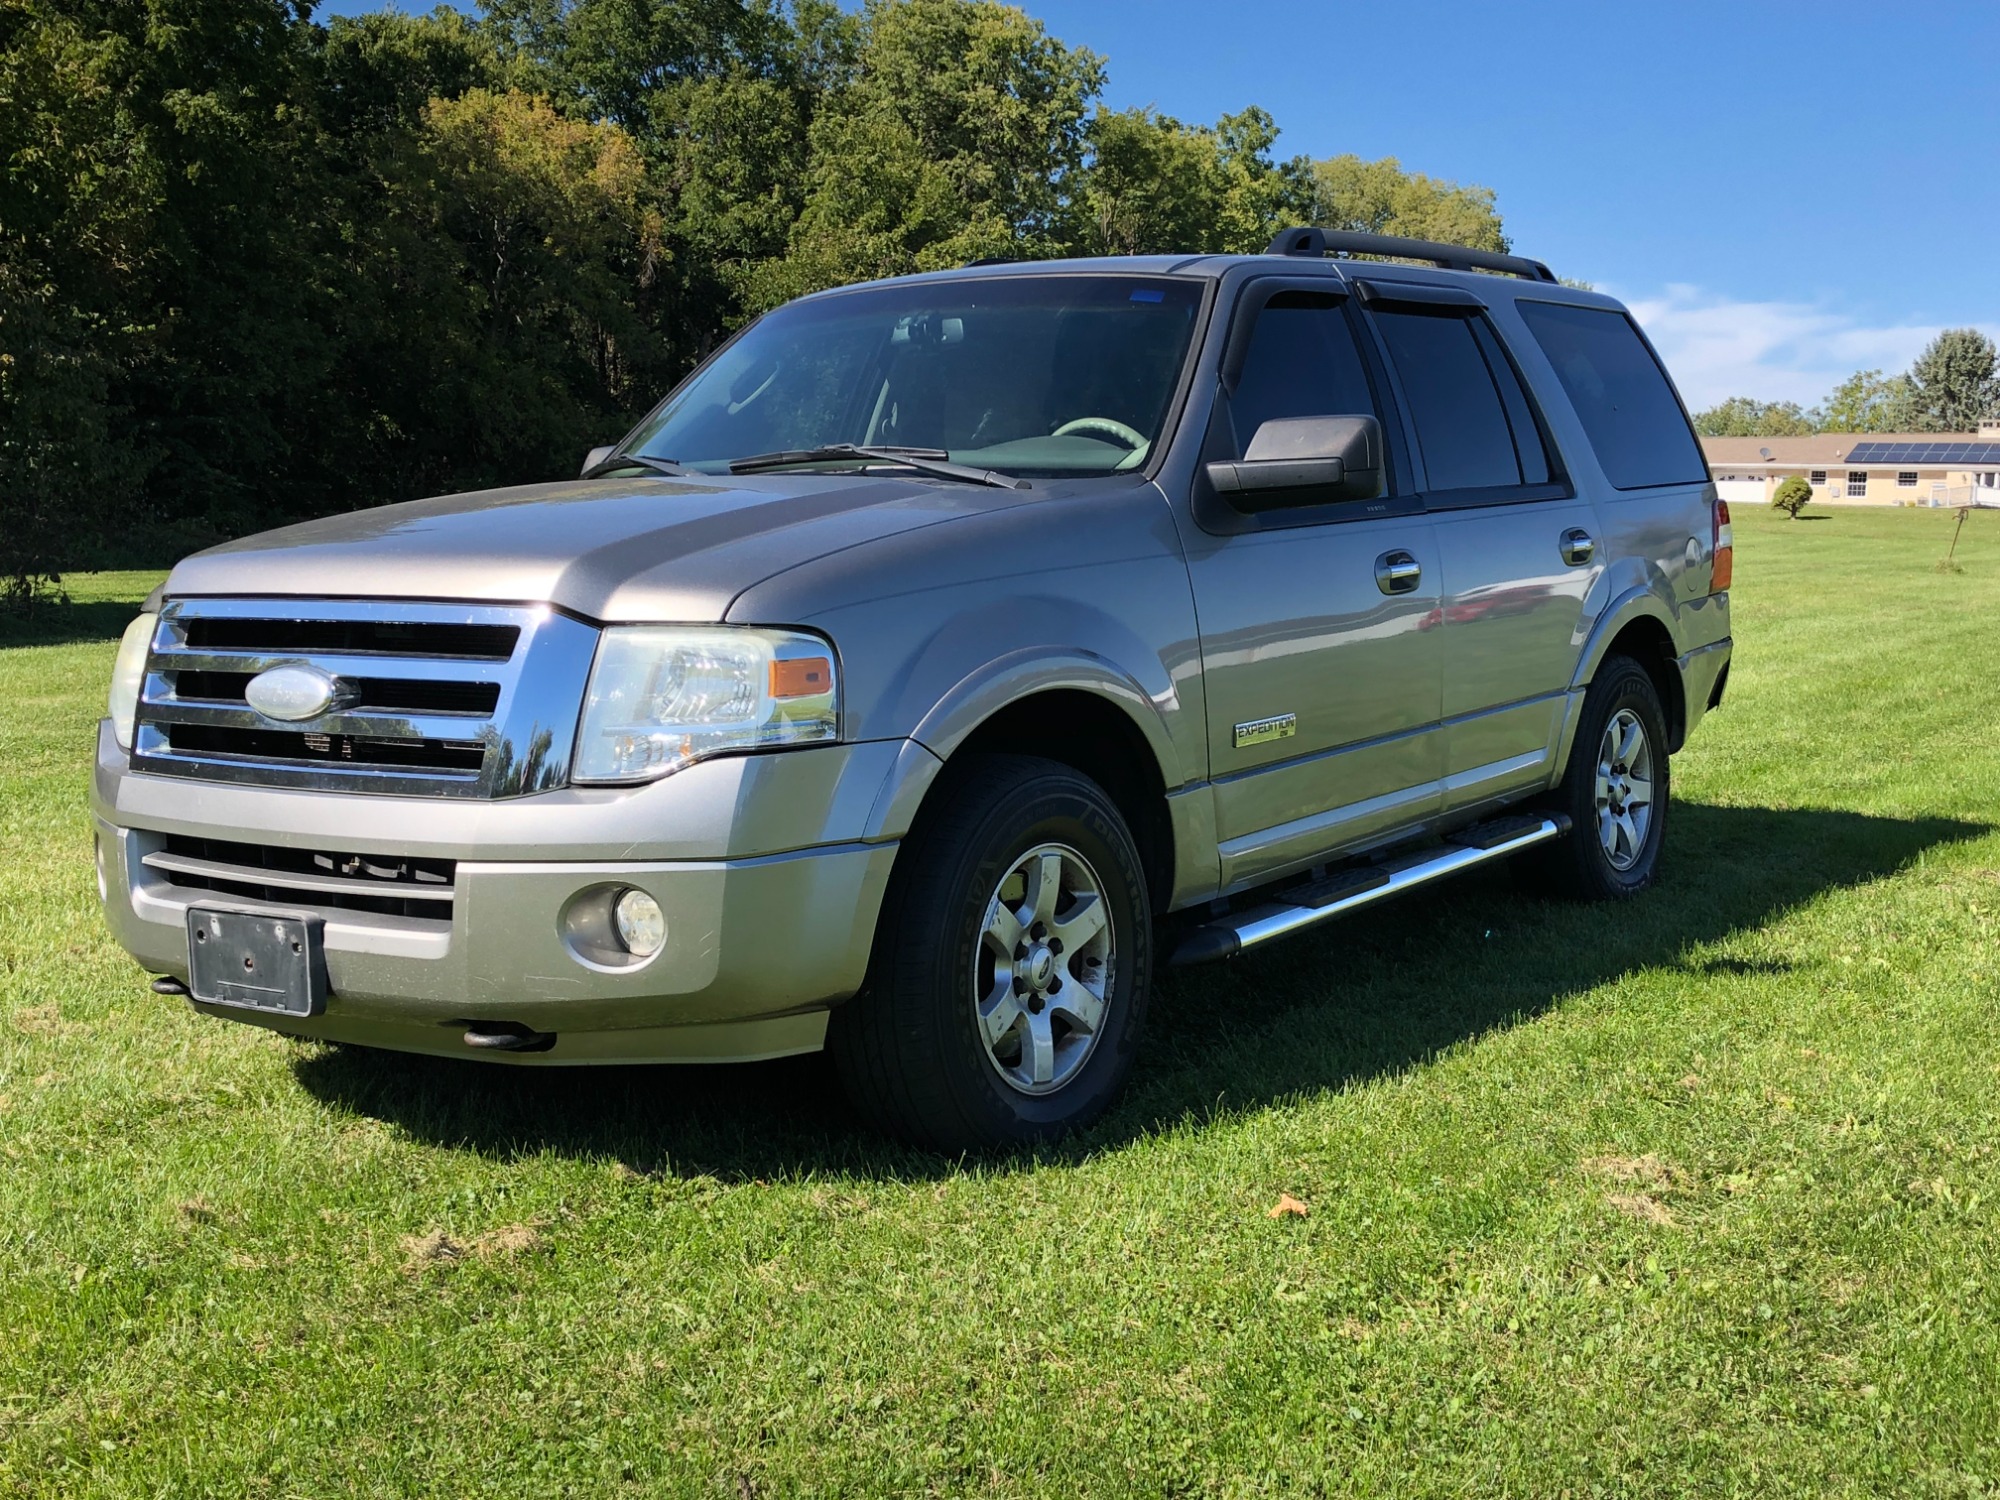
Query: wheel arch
(1637,626)
(1097,733)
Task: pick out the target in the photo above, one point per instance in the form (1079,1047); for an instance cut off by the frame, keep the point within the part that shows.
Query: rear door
(1518,547)
(1320,647)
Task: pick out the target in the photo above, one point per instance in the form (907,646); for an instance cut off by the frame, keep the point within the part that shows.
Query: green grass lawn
(1691,1196)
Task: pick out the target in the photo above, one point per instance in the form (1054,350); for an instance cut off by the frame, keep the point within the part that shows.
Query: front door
(1320,623)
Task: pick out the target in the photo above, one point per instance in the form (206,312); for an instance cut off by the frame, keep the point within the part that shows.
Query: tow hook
(507,1036)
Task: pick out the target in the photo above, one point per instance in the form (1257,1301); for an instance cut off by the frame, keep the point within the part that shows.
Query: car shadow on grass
(59,622)
(1372,996)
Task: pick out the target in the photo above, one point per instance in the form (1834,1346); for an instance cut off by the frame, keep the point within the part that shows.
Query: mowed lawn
(1692,1196)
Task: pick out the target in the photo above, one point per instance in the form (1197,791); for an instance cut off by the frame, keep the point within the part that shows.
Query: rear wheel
(1011,964)
(1614,789)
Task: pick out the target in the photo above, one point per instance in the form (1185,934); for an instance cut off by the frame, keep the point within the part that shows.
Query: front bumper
(770,869)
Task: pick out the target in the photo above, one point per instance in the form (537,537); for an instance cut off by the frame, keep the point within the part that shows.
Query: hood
(609,549)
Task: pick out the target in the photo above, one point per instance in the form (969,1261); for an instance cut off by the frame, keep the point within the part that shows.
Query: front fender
(934,664)
(982,693)
(941,629)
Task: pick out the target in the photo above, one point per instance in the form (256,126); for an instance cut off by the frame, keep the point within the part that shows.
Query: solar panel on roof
(1924,453)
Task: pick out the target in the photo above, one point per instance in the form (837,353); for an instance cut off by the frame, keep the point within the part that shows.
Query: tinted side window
(1302,362)
(1620,393)
(1461,424)
(1528,445)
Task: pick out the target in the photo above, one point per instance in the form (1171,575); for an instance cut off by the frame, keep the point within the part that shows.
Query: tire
(1594,864)
(1046,844)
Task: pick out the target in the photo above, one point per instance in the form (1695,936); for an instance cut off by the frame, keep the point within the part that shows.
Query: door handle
(1397,572)
(1577,547)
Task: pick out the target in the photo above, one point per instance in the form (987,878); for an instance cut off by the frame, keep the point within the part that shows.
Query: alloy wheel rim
(1042,969)
(1624,790)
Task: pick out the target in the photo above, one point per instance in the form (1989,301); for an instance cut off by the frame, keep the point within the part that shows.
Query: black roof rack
(1318,242)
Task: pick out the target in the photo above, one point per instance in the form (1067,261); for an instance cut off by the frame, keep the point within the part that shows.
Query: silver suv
(936,660)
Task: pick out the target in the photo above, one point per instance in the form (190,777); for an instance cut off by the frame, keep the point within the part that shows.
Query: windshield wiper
(932,461)
(662,466)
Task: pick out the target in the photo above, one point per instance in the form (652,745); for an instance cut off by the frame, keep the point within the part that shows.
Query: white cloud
(1775,351)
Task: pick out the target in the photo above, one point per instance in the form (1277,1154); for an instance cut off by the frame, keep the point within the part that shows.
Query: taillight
(1722,549)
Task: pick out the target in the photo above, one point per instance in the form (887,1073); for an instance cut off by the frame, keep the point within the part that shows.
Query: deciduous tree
(1867,401)
(954,139)
(1379,197)
(1744,416)
(156,328)
(254,267)
(1153,186)
(1260,195)
(513,265)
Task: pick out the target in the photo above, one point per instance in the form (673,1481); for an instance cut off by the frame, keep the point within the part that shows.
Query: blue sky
(1784,191)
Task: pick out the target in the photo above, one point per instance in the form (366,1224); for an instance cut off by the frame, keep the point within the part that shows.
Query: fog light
(642,926)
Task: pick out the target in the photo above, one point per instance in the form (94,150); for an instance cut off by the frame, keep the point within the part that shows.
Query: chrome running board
(1344,890)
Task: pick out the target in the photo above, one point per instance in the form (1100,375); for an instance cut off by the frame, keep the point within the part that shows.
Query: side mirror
(596,456)
(1304,461)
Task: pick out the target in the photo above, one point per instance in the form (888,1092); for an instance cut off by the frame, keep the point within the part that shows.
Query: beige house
(1863,468)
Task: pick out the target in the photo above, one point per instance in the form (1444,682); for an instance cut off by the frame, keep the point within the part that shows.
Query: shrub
(1792,496)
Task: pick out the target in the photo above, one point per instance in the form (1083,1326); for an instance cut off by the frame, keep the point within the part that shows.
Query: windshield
(1035,376)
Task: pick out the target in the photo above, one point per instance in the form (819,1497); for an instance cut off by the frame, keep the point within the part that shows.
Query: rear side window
(1453,375)
(1528,446)
(1620,393)
(1302,362)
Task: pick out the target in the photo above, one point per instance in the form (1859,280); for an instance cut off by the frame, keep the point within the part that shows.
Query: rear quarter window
(1620,393)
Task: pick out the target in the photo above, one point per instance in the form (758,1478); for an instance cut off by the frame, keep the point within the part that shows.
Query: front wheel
(1614,789)
(1011,964)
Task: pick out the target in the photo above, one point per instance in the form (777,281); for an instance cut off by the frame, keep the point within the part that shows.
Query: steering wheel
(1106,426)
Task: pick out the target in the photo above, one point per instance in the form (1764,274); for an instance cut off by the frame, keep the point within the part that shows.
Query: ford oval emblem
(292,693)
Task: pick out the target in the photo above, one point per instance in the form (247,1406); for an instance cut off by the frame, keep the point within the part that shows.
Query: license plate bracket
(256,961)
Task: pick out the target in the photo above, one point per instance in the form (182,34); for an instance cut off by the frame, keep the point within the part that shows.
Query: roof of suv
(1210,267)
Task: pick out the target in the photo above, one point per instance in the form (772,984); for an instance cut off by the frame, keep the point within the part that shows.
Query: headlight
(128,676)
(664,696)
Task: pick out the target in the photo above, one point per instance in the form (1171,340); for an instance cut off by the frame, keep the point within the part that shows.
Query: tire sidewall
(1627,686)
(1056,808)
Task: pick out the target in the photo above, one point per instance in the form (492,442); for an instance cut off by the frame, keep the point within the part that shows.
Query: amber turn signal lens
(1723,550)
(802,677)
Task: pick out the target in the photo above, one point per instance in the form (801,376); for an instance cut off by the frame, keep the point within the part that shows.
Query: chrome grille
(385,884)
(441,700)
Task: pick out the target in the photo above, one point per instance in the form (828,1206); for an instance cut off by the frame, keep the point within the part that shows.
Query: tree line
(1951,386)
(255,266)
